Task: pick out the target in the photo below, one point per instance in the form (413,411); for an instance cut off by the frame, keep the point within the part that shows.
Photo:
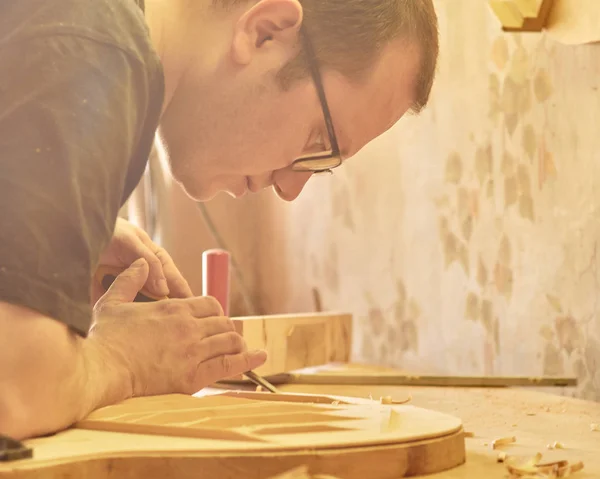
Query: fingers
(228,343)
(214,326)
(177,285)
(126,286)
(157,281)
(226,366)
(205,306)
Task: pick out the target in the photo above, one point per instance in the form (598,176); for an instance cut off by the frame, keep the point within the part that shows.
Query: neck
(168,27)
(178,29)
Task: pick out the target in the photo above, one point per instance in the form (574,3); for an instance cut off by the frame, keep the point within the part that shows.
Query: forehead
(363,111)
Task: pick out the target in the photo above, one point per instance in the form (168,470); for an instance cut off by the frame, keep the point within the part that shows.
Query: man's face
(235,130)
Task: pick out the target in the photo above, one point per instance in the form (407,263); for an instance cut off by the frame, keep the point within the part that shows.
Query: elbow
(15,419)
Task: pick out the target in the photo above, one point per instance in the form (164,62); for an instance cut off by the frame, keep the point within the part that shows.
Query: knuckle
(236,342)
(228,324)
(162,255)
(173,308)
(213,305)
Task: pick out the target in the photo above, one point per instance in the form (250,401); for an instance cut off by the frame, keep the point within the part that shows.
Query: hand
(169,346)
(130,243)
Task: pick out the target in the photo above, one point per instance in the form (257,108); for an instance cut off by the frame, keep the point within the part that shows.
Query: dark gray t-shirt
(81,90)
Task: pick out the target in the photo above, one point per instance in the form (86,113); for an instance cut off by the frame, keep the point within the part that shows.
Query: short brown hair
(349,35)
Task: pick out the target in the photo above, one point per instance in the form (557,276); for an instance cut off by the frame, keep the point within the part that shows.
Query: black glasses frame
(322,162)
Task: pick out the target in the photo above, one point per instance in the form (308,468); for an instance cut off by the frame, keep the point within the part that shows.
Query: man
(245,95)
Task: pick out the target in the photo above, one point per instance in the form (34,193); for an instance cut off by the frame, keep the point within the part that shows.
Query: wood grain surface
(535,418)
(225,434)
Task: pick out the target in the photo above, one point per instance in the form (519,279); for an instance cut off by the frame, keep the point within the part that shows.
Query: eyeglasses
(322,162)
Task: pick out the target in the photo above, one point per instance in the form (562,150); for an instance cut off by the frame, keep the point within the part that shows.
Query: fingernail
(259,353)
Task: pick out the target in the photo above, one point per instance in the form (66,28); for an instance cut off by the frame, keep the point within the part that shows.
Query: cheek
(284,142)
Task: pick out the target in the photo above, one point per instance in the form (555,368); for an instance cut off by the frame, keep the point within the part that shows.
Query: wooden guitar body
(247,435)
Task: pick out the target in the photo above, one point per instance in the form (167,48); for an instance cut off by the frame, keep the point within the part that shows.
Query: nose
(289,184)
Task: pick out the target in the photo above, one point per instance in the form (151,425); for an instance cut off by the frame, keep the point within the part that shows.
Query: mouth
(253,187)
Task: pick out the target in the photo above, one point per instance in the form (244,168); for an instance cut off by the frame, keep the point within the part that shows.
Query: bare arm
(49,376)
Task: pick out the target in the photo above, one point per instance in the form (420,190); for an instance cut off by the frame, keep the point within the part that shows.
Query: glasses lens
(317,163)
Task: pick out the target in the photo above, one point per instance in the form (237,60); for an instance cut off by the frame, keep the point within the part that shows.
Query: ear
(266,24)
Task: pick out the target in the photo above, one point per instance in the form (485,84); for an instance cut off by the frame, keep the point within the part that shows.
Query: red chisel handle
(215,276)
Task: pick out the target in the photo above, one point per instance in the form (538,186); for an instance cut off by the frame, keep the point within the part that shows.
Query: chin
(206,192)
(197,192)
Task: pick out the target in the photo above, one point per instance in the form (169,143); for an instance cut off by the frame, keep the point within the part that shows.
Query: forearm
(49,376)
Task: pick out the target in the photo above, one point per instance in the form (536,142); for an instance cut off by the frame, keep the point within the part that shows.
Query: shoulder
(116,23)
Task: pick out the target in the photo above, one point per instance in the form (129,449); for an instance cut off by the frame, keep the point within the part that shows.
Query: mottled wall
(464,240)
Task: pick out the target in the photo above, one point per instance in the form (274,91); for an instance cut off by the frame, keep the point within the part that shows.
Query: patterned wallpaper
(465,240)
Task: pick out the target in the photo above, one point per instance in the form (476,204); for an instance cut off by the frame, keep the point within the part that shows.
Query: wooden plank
(258,438)
(297,341)
(422,380)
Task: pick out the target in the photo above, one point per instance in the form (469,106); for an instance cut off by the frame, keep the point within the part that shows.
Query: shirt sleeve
(71,114)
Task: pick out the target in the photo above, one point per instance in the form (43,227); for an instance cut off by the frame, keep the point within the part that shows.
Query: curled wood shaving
(555,445)
(595,427)
(389,400)
(503,441)
(501,456)
(533,469)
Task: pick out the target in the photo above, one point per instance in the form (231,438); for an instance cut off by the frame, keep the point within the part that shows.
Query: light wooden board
(248,435)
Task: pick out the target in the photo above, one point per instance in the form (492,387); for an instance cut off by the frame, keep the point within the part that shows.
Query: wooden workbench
(535,419)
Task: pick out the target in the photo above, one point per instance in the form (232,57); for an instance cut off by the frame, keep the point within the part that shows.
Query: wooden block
(297,341)
(508,13)
(522,15)
(529,8)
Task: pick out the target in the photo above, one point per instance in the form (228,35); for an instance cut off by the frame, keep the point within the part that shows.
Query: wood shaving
(533,469)
(501,457)
(469,434)
(389,400)
(503,441)
(595,427)
(555,445)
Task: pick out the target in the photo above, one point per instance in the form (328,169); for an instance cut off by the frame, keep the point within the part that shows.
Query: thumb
(128,284)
